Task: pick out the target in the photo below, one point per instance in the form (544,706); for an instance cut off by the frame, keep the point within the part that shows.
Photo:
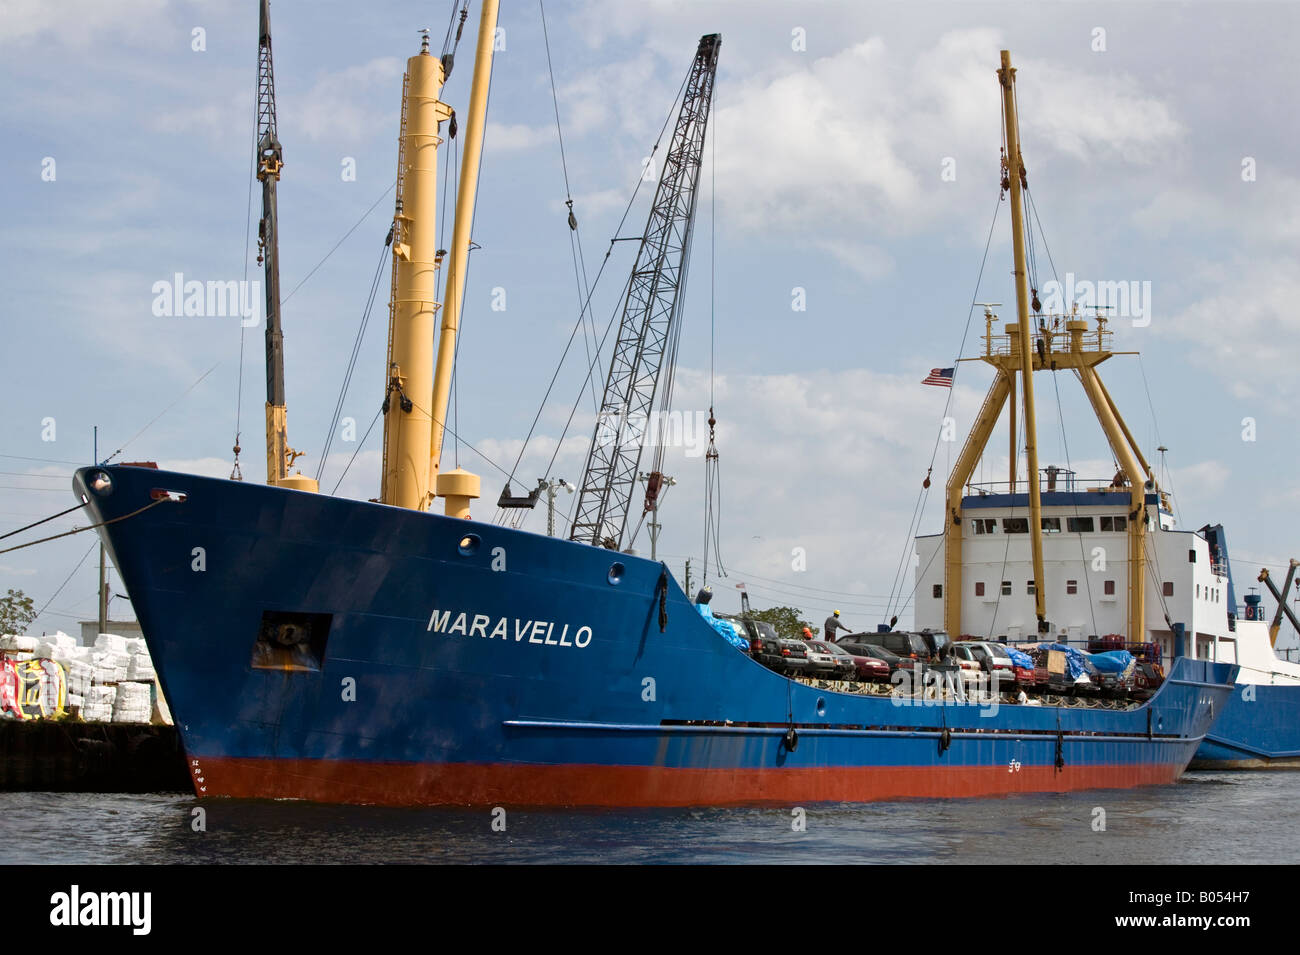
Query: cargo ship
(321,648)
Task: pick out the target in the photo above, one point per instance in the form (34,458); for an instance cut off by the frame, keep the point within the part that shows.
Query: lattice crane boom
(651,315)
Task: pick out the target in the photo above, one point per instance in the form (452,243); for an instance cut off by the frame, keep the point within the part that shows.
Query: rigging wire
(352,358)
(573,333)
(923,495)
(88,527)
(88,552)
(161,413)
(365,215)
(235,473)
(75,507)
(1152,406)
(1083,558)
(360,444)
(712,464)
(575,237)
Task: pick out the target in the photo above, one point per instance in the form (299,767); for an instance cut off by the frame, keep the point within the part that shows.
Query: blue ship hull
(1259,728)
(466,663)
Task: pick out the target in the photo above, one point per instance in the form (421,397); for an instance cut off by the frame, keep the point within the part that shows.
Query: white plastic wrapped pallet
(140,668)
(133,704)
(18,643)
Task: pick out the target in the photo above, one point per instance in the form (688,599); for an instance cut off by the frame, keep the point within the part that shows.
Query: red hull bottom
(469,784)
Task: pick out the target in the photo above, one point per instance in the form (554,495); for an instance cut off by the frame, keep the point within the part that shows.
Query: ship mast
(458,486)
(270,159)
(1016,176)
(1016,353)
(414,411)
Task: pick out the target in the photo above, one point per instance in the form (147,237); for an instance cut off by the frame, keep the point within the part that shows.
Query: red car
(869,669)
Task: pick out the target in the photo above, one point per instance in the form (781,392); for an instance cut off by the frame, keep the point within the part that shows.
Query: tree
(785,620)
(16,612)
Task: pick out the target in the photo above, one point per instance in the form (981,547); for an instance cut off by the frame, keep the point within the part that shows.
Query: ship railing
(1064,481)
(1055,338)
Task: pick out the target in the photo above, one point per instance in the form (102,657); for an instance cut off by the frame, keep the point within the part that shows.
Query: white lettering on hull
(541,632)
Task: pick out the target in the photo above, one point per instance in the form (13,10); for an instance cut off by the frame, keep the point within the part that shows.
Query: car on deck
(849,666)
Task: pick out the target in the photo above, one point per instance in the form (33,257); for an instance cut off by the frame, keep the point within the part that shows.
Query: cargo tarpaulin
(1075,660)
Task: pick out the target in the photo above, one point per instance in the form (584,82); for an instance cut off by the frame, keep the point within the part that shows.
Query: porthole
(468,545)
(616,572)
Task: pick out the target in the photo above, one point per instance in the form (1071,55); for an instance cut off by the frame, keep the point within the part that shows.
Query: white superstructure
(1085,573)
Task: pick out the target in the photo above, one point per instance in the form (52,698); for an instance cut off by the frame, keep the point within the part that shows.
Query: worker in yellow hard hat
(832,624)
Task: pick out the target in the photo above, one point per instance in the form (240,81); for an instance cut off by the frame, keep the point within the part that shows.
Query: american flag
(939,376)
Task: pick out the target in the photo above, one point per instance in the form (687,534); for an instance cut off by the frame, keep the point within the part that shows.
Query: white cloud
(859,135)
(351,104)
(1252,302)
(80,23)
(515,137)
(869,262)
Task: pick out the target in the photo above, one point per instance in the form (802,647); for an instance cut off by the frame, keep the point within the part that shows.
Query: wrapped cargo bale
(110,667)
(140,669)
(136,645)
(99,704)
(133,703)
(110,642)
(18,643)
(97,713)
(80,677)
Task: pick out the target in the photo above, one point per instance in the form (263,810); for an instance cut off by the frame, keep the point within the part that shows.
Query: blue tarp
(730,631)
(1076,661)
(1020,658)
(1112,661)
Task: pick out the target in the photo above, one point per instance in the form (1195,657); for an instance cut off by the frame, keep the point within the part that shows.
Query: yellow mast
(415,265)
(459,487)
(1015,172)
(1014,354)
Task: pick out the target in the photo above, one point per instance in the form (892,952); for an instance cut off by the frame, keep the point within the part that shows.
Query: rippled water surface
(1205,818)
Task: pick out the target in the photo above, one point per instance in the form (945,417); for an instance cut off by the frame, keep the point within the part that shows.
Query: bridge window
(1169,588)
(1109,588)
(1191,556)
(1078,525)
(1015,525)
(1029,587)
(938,590)
(1006,588)
(984,525)
(1051,525)
(1071,586)
(979,588)
(1109,523)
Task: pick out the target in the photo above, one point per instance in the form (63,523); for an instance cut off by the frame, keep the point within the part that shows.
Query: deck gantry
(1024,349)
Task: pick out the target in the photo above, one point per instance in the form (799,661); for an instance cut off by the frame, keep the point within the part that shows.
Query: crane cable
(573,333)
(352,359)
(712,475)
(575,237)
(235,473)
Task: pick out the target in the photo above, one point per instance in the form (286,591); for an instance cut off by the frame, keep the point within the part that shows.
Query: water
(1206,817)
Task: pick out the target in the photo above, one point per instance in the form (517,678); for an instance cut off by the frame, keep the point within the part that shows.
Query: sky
(849,194)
